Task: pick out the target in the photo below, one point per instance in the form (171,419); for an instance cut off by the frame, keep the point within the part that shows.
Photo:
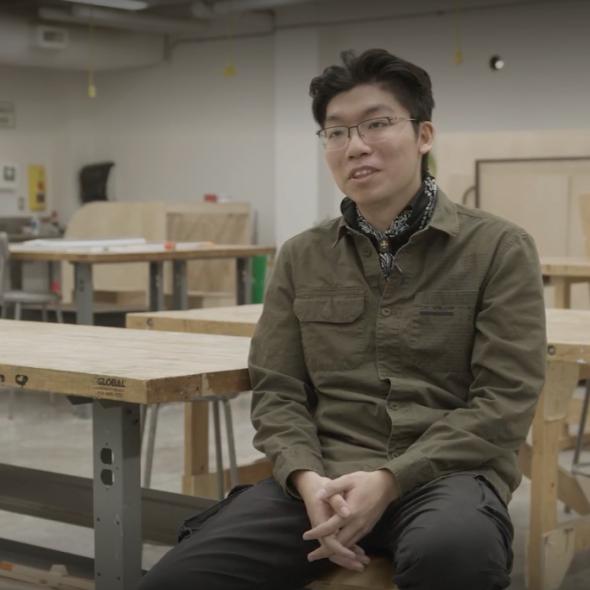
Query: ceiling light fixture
(121,4)
(496,63)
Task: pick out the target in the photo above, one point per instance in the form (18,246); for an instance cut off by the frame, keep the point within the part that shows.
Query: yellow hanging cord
(91,84)
(457,22)
(230,69)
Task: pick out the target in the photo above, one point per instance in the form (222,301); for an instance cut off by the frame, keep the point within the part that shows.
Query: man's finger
(329,527)
(339,505)
(348,564)
(330,546)
(361,555)
(350,534)
(334,486)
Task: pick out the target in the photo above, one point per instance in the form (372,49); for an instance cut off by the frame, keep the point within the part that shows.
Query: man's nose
(356,143)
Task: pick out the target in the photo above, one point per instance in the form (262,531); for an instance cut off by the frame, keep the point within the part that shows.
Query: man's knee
(160,577)
(458,553)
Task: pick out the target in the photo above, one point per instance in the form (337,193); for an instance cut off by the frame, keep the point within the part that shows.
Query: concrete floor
(48,435)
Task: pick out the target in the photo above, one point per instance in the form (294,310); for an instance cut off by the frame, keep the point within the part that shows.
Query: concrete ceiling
(179,15)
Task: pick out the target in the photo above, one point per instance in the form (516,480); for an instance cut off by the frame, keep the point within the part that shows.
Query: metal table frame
(83,271)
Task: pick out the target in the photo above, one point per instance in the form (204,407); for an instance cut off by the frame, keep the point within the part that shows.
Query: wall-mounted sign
(37,188)
(8,178)
(7,115)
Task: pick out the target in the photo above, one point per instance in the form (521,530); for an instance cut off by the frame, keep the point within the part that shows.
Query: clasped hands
(342,511)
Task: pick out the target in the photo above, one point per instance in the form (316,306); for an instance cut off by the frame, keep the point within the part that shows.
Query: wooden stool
(378,575)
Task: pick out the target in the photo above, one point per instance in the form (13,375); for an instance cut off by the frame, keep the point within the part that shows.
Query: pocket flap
(446,298)
(333,309)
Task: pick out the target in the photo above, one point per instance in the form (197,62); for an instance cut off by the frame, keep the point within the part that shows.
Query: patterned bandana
(414,217)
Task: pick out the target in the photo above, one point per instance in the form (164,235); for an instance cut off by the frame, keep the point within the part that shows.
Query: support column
(296,146)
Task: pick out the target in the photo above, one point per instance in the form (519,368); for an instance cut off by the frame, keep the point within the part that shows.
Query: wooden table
(119,369)
(551,545)
(154,254)
(561,273)
(235,320)
(232,321)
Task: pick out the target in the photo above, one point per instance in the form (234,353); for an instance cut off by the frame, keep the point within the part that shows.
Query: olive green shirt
(432,371)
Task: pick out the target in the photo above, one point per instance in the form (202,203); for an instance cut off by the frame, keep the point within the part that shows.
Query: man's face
(382,173)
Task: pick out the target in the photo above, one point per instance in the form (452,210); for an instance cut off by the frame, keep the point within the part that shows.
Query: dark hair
(409,83)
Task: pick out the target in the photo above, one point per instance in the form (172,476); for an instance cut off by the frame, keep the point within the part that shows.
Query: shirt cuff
(295,459)
(410,470)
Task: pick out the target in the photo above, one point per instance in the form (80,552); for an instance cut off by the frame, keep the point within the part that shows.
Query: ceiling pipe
(209,9)
(118,4)
(119,20)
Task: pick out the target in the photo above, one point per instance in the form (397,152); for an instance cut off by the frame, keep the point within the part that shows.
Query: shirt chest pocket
(442,330)
(331,329)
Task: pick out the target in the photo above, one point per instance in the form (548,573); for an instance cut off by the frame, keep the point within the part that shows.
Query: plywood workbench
(118,369)
(237,320)
(84,259)
(552,546)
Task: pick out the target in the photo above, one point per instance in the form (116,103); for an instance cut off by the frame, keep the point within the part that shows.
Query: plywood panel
(536,202)
(456,153)
(219,225)
(579,236)
(115,220)
(228,223)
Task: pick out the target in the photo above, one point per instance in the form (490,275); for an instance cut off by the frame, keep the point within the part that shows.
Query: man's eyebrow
(335,118)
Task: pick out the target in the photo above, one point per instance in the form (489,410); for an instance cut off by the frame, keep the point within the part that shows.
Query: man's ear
(425,137)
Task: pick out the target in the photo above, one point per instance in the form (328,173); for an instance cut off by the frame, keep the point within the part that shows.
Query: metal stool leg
(142,418)
(44,313)
(151,443)
(17,310)
(581,429)
(218,450)
(59,314)
(231,442)
(11,404)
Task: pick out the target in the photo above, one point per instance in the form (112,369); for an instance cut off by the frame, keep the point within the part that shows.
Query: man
(395,370)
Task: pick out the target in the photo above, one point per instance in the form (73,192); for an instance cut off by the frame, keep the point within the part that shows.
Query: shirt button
(386,311)
(367,252)
(394,406)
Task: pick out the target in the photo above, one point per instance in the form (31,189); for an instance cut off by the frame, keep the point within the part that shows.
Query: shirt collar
(444,217)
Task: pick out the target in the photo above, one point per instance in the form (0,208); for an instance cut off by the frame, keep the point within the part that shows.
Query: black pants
(451,534)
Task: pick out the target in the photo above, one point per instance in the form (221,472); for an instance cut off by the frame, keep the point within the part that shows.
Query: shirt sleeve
(508,369)
(283,397)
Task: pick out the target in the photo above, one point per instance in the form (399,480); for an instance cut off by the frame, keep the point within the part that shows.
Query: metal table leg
(117,496)
(231,442)
(84,293)
(54,279)
(156,286)
(16,274)
(243,280)
(218,450)
(151,414)
(180,284)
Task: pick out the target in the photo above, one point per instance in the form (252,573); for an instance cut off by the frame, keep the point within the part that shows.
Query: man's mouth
(361,173)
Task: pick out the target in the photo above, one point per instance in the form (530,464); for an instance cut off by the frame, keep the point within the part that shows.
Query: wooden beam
(560,382)
(559,548)
(569,489)
(205,484)
(68,498)
(378,575)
